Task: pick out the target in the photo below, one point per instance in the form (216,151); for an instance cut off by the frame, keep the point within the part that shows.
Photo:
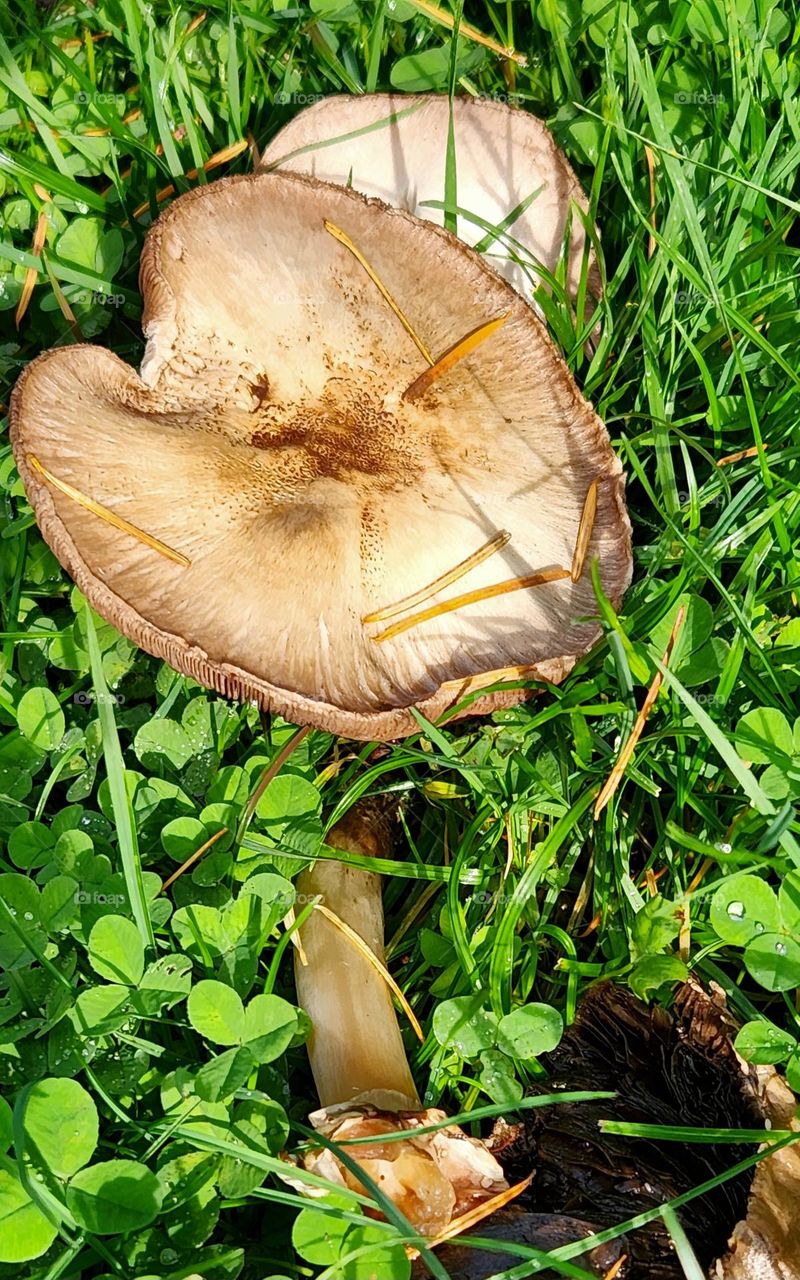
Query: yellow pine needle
(213,162)
(77,42)
(694,883)
(480,1211)
(490,677)
(255,154)
(616,1267)
(368,954)
(685,933)
(585,529)
(271,771)
(618,772)
(496,543)
(344,239)
(473,597)
(162,194)
(102,133)
(192,859)
(222,157)
(461,349)
(32,273)
(651,176)
(105,513)
(289,922)
(61,299)
(194,24)
(738,457)
(468,32)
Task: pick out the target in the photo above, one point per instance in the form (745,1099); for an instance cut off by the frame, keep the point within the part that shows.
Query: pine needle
(192,859)
(344,239)
(585,529)
(32,273)
(105,513)
(738,457)
(461,349)
(488,549)
(491,677)
(468,32)
(213,162)
(368,954)
(61,299)
(473,597)
(623,760)
(480,1211)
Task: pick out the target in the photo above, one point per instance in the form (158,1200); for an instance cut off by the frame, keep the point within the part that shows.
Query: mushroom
(357,1055)
(342,411)
(511,173)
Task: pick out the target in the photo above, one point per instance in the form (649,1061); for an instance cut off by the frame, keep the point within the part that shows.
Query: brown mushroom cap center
(347,435)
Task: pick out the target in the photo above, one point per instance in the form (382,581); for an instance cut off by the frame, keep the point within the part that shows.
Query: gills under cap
(279,470)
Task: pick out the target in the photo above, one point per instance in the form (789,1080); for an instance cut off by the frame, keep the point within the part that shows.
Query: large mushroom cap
(510,172)
(267,445)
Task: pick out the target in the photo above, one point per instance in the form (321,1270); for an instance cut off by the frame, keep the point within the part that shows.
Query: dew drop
(28,915)
(780,948)
(736,910)
(758,926)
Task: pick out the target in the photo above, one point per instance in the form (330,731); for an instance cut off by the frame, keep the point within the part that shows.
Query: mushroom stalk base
(358,1058)
(432,1178)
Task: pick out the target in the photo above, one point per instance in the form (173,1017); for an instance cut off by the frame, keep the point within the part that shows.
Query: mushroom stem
(358,1059)
(356,1049)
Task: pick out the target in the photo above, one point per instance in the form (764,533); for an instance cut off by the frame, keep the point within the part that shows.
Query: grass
(682,122)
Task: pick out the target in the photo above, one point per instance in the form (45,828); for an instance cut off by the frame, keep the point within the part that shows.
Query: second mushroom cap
(518,195)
